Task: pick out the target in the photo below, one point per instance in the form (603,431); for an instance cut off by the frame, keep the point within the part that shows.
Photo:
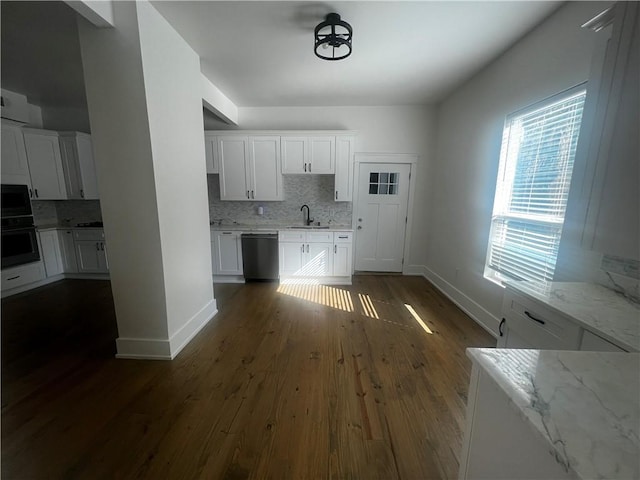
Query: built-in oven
(15,200)
(19,241)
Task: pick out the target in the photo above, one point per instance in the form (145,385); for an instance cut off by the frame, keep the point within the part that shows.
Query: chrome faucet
(308,219)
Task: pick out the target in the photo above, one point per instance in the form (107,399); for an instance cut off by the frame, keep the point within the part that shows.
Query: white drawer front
(291,236)
(538,325)
(322,237)
(22,275)
(342,237)
(88,234)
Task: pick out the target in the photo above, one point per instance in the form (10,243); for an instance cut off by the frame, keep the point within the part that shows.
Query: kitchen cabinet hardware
(97,246)
(336,194)
(102,247)
(307,248)
(247,193)
(36,192)
(13,278)
(305,168)
(335,249)
(30,193)
(309,168)
(303,248)
(227,233)
(252,195)
(82,193)
(541,322)
(502,322)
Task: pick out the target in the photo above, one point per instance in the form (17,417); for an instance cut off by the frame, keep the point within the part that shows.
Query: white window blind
(534,175)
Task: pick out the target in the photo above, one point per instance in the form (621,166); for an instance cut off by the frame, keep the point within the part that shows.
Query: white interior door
(383,195)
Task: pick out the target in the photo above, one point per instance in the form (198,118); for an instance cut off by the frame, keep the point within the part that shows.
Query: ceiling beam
(98,12)
(217,102)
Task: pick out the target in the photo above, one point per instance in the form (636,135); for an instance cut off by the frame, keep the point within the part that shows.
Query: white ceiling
(261,53)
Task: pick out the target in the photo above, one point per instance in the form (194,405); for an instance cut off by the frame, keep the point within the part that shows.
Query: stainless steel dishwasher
(260,256)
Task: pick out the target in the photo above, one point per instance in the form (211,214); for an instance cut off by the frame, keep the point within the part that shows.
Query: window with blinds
(534,175)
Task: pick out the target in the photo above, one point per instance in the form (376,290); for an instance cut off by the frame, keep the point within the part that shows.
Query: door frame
(401,158)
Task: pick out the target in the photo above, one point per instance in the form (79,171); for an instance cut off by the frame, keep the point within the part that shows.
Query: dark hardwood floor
(285,382)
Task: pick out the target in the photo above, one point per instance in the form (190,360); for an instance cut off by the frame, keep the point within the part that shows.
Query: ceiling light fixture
(333,38)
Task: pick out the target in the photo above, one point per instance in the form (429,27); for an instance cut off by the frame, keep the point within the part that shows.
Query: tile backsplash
(66,212)
(314,190)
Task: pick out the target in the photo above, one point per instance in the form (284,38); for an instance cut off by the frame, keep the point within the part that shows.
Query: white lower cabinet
(22,275)
(342,253)
(51,252)
(594,343)
(498,443)
(226,252)
(68,251)
(316,254)
(91,251)
(529,324)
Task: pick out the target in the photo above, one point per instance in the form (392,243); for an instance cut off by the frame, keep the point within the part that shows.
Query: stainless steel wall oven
(19,241)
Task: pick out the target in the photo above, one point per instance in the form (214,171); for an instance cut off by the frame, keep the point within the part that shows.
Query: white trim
(166,349)
(331,280)
(228,279)
(477,312)
(185,334)
(401,158)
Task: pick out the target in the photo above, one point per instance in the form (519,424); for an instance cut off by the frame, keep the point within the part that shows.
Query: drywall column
(145,108)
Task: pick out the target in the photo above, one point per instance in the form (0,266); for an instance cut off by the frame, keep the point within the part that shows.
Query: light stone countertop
(268,227)
(602,310)
(584,405)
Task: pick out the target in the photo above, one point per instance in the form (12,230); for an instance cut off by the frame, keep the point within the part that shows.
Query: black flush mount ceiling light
(333,38)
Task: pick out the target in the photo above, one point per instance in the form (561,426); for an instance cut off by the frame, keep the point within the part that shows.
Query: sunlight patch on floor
(367,306)
(418,319)
(321,294)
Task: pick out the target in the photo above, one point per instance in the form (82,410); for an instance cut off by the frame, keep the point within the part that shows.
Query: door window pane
(383,183)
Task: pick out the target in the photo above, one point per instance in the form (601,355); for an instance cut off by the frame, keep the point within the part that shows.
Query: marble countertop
(584,405)
(269,227)
(599,309)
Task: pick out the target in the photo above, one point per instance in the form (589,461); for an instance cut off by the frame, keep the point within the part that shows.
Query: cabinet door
(265,173)
(344,169)
(45,166)
(342,259)
(71,168)
(294,154)
(15,169)
(319,260)
(87,166)
(290,257)
(234,162)
(227,254)
(211,153)
(51,254)
(67,249)
(594,343)
(89,256)
(322,152)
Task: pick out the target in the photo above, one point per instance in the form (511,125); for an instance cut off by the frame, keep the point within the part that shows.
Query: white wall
(116,99)
(66,119)
(174,103)
(146,118)
(385,129)
(554,56)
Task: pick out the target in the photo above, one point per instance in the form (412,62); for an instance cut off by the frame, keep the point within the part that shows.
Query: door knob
(359,227)
(359,219)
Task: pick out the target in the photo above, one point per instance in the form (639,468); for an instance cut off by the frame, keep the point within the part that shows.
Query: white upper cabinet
(211,153)
(234,159)
(250,168)
(15,169)
(79,165)
(344,169)
(294,154)
(308,155)
(45,164)
(264,167)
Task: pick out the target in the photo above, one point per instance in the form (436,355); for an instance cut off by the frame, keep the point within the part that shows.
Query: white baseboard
(414,270)
(228,279)
(315,280)
(477,312)
(183,336)
(166,349)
